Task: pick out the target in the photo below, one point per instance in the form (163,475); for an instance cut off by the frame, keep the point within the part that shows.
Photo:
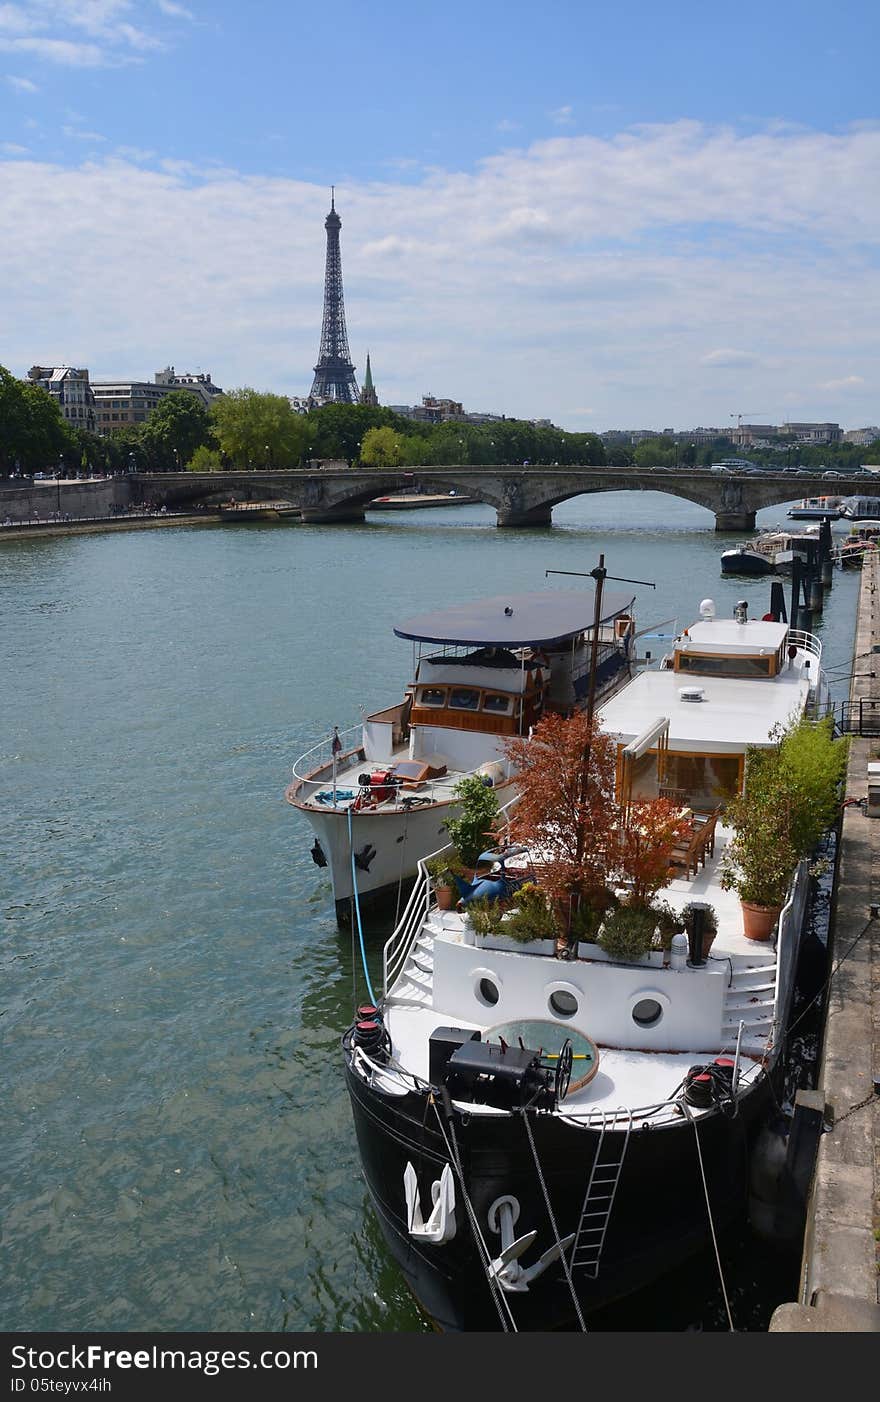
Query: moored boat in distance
(858,508)
(817,509)
(377,795)
(770,553)
(543,1136)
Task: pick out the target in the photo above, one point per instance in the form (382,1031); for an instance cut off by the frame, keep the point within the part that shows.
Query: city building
(862,436)
(123,403)
(71,391)
(812,433)
(202,385)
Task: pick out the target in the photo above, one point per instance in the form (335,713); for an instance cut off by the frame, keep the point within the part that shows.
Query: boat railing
(401,940)
(320,757)
(808,642)
(398,945)
(608,1121)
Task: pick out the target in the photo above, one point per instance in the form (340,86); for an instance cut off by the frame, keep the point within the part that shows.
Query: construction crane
(746,413)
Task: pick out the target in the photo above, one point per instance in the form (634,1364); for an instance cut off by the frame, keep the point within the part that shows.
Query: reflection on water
(177,1138)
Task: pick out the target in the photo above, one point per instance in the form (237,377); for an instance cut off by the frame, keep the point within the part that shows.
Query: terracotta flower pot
(445,897)
(759,920)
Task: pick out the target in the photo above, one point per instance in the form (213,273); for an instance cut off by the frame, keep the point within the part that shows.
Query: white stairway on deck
(749,999)
(415,987)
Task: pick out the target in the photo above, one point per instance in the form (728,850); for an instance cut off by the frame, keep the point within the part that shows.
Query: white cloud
(562,116)
(47,30)
(9,148)
(506,125)
(624,272)
(848,382)
(61,51)
(174,11)
(80,134)
(727,359)
(21,84)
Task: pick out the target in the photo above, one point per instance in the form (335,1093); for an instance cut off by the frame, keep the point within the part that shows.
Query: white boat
(540,1137)
(377,795)
(818,509)
(858,508)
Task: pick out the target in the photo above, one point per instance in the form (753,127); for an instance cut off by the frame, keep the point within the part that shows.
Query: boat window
(647,1012)
(432,696)
(706,780)
(733,666)
(464,698)
(563,1003)
(493,701)
(487,992)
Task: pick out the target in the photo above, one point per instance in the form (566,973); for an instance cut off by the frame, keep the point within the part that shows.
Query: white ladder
(599,1198)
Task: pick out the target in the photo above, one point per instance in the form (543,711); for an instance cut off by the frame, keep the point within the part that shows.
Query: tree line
(246,429)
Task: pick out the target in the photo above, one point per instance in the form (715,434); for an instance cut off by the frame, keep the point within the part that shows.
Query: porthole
(562,1003)
(647,1012)
(488,992)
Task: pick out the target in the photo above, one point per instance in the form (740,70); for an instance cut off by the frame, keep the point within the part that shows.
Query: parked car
(832,473)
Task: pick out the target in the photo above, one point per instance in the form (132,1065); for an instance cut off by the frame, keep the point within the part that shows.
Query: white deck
(735,712)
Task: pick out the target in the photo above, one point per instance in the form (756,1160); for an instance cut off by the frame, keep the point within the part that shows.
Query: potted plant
(478,810)
(485,917)
(628,933)
(531,916)
(442,870)
(791,797)
(669,923)
(710,923)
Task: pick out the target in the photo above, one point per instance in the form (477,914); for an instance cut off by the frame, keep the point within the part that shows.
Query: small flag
(336,744)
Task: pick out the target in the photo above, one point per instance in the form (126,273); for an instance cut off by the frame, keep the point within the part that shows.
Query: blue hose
(357,907)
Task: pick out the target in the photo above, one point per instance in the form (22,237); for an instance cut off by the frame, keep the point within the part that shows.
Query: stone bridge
(520,496)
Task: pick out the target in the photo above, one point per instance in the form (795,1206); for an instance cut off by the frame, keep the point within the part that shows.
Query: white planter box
(654,957)
(509,946)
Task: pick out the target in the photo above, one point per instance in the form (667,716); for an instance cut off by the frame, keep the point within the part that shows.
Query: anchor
(506,1269)
(440,1226)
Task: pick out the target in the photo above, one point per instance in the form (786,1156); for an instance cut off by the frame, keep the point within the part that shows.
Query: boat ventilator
(505,1268)
(440,1226)
(599,1198)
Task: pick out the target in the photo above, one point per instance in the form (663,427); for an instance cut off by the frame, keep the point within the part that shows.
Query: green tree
(337,431)
(33,434)
(654,452)
(178,425)
(205,459)
(255,430)
(382,447)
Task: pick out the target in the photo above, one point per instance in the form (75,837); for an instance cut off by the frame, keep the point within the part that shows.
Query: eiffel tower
(334,373)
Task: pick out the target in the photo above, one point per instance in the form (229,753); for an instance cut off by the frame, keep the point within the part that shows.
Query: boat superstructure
(858,508)
(818,509)
(377,795)
(541,1135)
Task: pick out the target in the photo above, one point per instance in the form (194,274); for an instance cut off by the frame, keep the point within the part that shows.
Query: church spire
(368,393)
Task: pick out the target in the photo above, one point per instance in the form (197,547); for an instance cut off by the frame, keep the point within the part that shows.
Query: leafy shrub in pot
(628,933)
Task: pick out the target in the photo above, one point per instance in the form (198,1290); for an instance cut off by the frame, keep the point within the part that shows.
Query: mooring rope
(565,1265)
(495,1288)
(357,910)
(686,1108)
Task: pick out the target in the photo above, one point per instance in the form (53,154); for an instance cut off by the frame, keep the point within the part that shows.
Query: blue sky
(613,216)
